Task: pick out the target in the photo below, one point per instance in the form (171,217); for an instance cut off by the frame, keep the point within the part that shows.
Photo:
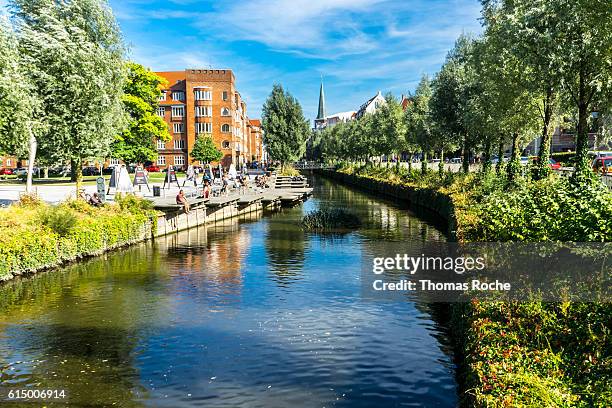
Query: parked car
(552,162)
(602,165)
(152,168)
(6,172)
(21,172)
(108,170)
(456,160)
(91,171)
(524,160)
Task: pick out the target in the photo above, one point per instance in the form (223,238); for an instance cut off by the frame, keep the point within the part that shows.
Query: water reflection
(247,313)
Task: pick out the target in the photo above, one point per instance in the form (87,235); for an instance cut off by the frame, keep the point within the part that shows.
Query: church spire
(321,114)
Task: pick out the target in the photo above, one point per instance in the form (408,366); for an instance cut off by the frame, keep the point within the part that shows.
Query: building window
(161,144)
(178,95)
(162,97)
(203,96)
(179,144)
(161,111)
(203,111)
(113,162)
(225,144)
(161,160)
(178,111)
(178,127)
(225,112)
(225,128)
(224,95)
(8,162)
(203,128)
(179,160)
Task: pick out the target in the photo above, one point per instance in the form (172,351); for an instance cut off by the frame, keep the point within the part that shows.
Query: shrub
(38,236)
(328,219)
(59,219)
(288,171)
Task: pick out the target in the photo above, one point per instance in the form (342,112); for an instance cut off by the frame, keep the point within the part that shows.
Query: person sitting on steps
(182,200)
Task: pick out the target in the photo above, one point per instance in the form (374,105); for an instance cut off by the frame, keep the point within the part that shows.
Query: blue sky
(359,46)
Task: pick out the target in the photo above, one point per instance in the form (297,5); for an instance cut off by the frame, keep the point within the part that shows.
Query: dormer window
(178,95)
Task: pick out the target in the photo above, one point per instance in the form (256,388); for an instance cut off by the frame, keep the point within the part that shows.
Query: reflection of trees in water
(286,245)
(82,325)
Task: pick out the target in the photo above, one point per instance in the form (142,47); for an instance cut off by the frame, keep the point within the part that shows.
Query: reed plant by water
(330,219)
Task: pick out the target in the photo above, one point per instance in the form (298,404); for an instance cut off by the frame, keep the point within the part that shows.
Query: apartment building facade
(203,102)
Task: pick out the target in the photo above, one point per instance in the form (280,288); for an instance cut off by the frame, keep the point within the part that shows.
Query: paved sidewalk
(10,193)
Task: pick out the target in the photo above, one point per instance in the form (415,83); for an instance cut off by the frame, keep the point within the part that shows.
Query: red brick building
(205,102)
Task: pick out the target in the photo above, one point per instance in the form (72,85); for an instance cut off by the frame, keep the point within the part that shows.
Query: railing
(311,166)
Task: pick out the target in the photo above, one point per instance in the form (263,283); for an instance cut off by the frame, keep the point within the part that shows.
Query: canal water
(248,313)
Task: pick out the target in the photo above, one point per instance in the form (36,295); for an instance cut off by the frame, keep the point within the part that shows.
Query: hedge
(36,236)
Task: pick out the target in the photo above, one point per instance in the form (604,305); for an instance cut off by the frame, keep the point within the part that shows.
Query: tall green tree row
(538,64)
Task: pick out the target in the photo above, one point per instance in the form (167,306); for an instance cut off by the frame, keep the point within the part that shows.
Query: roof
(255,122)
(172,76)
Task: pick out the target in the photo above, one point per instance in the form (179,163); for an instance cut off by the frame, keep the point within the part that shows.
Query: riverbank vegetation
(35,235)
(326,219)
(555,354)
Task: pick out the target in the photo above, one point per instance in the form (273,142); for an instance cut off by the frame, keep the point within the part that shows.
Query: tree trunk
(409,162)
(424,163)
(543,167)
(486,166)
(466,156)
(441,164)
(78,174)
(514,167)
(31,159)
(46,172)
(582,136)
(73,170)
(500,157)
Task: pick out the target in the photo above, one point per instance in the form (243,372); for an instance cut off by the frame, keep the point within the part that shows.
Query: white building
(371,105)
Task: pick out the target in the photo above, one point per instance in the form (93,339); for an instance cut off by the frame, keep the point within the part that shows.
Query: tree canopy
(284,125)
(205,150)
(137,142)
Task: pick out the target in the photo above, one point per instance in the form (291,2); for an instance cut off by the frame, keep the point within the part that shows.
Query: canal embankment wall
(432,200)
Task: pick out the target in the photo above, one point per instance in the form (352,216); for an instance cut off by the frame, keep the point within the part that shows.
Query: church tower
(321,114)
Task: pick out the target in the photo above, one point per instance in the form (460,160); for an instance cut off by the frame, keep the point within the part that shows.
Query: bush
(329,219)
(59,219)
(288,171)
(34,236)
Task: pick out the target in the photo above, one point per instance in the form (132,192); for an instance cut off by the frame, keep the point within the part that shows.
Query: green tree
(452,88)
(137,142)
(205,151)
(418,122)
(21,119)
(583,41)
(75,54)
(526,29)
(391,127)
(284,125)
